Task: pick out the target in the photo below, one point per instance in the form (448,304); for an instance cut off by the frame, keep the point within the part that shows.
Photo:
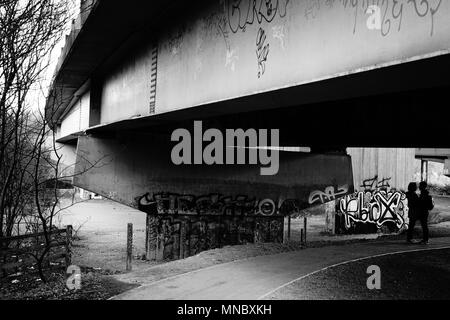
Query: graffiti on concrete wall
(182,225)
(279,33)
(236,16)
(376,184)
(378,207)
(242,13)
(262,51)
(376,204)
(391,12)
(217,23)
(330,193)
(177,237)
(312,9)
(231,59)
(209,204)
(216,204)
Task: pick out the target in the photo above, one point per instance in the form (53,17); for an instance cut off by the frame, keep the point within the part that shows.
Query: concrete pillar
(152,230)
(424,170)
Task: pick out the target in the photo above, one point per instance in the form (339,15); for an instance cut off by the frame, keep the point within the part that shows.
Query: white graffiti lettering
(377,207)
(328,195)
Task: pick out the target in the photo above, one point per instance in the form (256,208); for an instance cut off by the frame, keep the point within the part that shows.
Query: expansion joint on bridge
(153,75)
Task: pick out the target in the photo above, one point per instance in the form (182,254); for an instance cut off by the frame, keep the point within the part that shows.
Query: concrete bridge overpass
(435,155)
(328,74)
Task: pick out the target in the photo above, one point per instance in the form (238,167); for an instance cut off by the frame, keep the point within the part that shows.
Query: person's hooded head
(423,186)
(412,187)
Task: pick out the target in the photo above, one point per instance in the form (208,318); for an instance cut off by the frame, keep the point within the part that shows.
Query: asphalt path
(261,277)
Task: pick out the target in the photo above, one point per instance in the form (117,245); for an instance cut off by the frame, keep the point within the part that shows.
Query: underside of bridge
(214,205)
(399,106)
(143,78)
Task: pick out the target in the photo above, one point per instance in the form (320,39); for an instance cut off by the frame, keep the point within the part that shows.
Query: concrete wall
(227,49)
(197,207)
(77,119)
(393,165)
(132,165)
(381,176)
(67,163)
(126,90)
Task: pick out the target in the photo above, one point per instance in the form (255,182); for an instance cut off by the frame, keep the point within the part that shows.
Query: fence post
(68,245)
(182,239)
(147,231)
(129,245)
(289,228)
(304,227)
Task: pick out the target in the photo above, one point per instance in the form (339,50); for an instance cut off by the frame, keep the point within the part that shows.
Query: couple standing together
(419,207)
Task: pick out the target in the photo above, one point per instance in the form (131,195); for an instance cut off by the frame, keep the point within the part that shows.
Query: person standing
(413,209)
(425,205)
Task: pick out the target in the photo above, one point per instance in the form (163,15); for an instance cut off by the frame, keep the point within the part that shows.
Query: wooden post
(147,231)
(129,245)
(289,228)
(68,256)
(182,239)
(301,236)
(188,238)
(304,227)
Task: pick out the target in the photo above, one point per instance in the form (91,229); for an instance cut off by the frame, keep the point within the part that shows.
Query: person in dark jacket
(413,209)
(425,205)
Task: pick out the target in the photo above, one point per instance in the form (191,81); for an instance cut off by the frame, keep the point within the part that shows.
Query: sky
(36,97)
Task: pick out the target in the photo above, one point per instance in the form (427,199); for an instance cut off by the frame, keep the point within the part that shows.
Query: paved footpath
(256,278)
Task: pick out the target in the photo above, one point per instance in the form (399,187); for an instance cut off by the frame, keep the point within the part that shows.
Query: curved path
(258,277)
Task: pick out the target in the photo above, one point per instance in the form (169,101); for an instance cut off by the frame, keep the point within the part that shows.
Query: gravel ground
(409,276)
(102,233)
(95,285)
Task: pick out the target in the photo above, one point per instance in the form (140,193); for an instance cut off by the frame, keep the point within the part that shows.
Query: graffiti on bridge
(242,13)
(215,204)
(378,207)
(376,204)
(319,196)
(182,225)
(376,184)
(177,237)
(262,51)
(209,204)
(391,13)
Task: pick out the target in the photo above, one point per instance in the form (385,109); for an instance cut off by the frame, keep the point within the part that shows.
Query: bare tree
(29,31)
